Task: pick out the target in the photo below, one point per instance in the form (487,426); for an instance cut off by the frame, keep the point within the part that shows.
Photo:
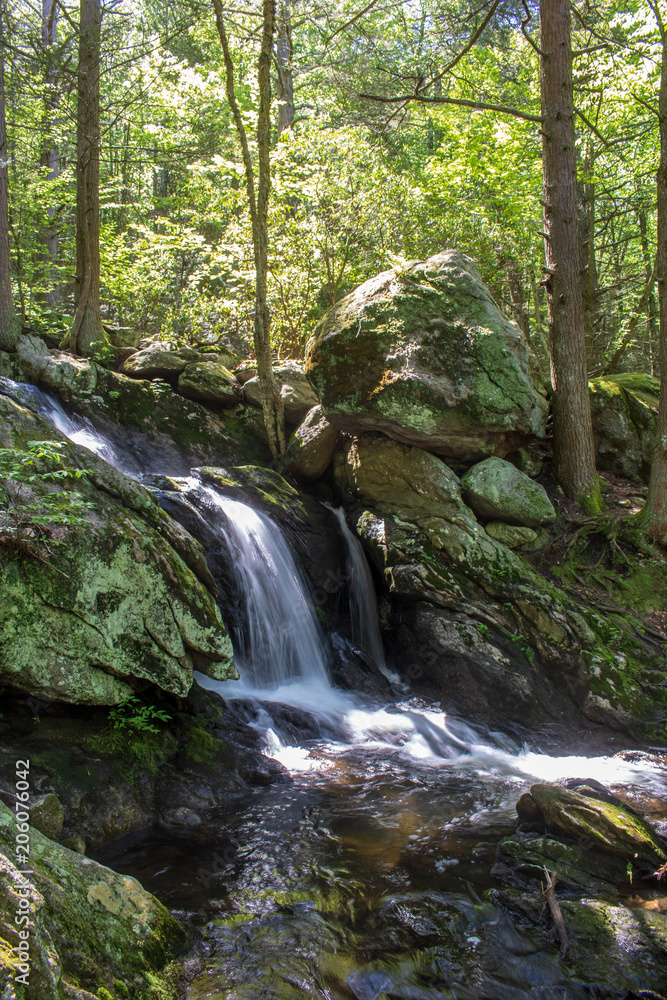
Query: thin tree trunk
(653,518)
(574,450)
(87,336)
(9,323)
(588,263)
(284,65)
(651,306)
(272,404)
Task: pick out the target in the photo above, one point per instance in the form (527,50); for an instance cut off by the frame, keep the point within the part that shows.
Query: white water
(363,602)
(282,641)
(76,428)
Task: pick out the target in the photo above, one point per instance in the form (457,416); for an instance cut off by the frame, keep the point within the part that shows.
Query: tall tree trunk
(653,518)
(258,201)
(574,450)
(9,323)
(587,261)
(651,307)
(284,65)
(87,335)
(49,158)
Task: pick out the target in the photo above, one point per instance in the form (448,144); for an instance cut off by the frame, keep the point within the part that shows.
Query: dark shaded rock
(311,447)
(625,421)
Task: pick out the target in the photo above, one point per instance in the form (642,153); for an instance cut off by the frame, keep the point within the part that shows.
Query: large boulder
(496,489)
(90,925)
(118,598)
(625,423)
(311,447)
(425,355)
(296,391)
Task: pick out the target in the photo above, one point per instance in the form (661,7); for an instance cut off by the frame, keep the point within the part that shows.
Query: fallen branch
(556,913)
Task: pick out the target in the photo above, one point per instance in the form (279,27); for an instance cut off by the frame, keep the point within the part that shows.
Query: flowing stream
(366,876)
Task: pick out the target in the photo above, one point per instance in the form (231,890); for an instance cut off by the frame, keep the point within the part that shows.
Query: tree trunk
(87,336)
(574,450)
(272,404)
(588,263)
(651,307)
(9,323)
(653,518)
(284,64)
(49,159)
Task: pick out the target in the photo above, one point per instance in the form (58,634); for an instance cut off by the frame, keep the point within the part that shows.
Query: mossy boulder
(296,391)
(497,490)
(91,925)
(425,355)
(208,383)
(311,447)
(108,602)
(625,422)
(607,826)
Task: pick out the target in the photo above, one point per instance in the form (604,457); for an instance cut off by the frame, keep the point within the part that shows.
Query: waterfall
(76,428)
(281,640)
(363,603)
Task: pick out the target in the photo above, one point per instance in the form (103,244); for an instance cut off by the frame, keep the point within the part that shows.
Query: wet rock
(311,447)
(625,421)
(512,535)
(47,815)
(607,827)
(208,383)
(497,489)
(110,602)
(91,925)
(424,355)
(296,391)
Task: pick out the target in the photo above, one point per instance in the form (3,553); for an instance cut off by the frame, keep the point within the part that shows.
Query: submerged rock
(424,355)
(90,925)
(109,602)
(497,489)
(625,423)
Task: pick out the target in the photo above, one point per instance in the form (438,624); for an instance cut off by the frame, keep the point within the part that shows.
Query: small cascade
(281,640)
(79,430)
(363,603)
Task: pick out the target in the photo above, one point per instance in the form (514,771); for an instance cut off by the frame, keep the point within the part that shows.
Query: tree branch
(456,102)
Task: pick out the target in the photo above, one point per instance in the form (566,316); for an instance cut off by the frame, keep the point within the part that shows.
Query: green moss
(201,747)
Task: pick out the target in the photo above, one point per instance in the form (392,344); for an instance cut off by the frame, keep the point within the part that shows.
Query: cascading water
(363,602)
(281,641)
(78,429)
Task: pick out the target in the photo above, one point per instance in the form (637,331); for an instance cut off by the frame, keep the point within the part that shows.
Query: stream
(367,873)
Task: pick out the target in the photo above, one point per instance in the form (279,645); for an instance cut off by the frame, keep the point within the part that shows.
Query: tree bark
(285,72)
(49,159)
(87,336)
(574,450)
(258,201)
(653,519)
(9,323)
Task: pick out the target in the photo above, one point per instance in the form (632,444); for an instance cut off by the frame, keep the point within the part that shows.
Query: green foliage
(32,504)
(134,715)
